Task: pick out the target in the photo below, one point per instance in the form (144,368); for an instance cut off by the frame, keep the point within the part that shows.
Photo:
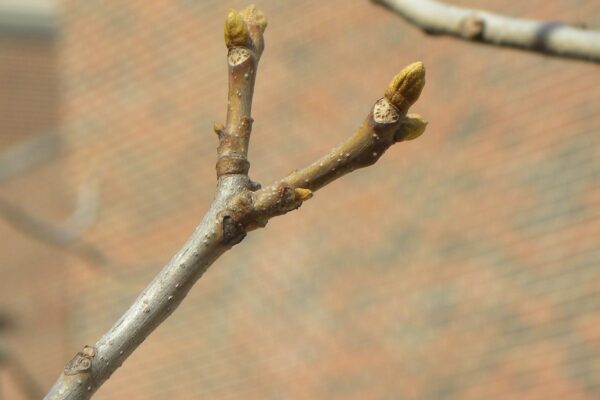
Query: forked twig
(240,205)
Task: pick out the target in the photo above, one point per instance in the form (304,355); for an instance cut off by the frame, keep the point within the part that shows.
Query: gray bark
(553,38)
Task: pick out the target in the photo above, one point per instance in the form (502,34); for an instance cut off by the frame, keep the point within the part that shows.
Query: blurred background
(463,265)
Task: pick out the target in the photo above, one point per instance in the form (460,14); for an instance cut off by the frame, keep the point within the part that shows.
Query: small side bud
(406,87)
(236,30)
(253,15)
(302,194)
(218,128)
(411,127)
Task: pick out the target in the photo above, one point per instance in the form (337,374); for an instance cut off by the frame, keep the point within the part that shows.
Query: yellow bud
(303,194)
(218,128)
(405,88)
(236,30)
(253,15)
(411,127)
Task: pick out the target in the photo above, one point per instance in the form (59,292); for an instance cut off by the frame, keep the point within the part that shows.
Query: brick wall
(464,265)
(32,273)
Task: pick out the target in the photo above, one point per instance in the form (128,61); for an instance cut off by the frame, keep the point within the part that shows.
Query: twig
(239,205)
(553,38)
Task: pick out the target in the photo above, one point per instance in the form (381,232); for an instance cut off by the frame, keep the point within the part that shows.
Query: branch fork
(240,205)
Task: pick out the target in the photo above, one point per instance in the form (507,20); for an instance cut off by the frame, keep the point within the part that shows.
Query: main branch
(240,205)
(553,38)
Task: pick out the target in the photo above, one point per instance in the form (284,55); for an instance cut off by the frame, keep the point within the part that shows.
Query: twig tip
(236,30)
(404,90)
(253,15)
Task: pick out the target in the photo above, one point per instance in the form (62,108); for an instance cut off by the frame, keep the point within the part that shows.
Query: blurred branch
(240,205)
(23,157)
(26,19)
(66,237)
(553,38)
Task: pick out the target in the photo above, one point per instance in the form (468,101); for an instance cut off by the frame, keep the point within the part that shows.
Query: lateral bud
(236,30)
(404,90)
(303,194)
(411,127)
(218,128)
